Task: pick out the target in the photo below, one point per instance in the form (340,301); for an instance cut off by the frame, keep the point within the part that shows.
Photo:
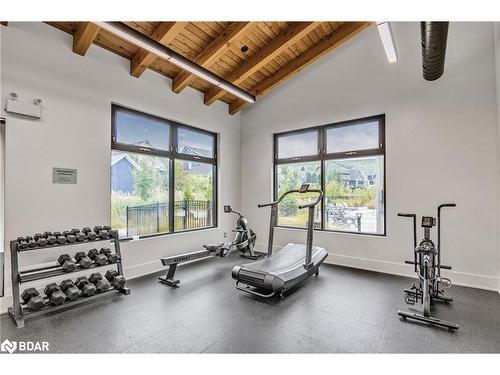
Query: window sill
(341,232)
(163,235)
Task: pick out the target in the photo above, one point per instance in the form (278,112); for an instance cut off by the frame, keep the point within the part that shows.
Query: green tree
(192,186)
(188,192)
(146,180)
(289,206)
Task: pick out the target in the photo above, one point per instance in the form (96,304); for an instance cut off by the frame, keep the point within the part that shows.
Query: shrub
(289,206)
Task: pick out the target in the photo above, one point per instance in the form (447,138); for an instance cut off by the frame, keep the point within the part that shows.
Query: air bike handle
(407,215)
(446,205)
(414,217)
(267,204)
(439,266)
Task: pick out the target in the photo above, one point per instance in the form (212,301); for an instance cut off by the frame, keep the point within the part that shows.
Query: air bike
(280,272)
(243,242)
(427,263)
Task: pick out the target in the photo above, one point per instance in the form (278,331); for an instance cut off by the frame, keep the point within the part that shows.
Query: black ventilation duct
(434,36)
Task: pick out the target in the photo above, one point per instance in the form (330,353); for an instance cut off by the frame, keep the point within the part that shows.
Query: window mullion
(322,149)
(171,192)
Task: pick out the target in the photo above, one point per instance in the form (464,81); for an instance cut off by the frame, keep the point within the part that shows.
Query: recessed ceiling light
(385,32)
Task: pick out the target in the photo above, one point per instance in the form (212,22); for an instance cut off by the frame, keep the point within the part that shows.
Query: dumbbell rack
(20,314)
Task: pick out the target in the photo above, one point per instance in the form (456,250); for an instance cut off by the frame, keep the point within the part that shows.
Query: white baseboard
(143,269)
(458,278)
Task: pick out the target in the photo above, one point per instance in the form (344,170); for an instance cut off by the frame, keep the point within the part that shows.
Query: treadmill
(294,263)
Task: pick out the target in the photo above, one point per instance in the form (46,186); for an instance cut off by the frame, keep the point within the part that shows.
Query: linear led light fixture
(385,32)
(150,45)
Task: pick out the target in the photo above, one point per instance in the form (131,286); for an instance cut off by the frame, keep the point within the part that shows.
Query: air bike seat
(294,263)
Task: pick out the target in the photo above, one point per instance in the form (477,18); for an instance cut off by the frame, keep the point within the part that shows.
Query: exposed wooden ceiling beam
(212,53)
(236,106)
(84,37)
(165,33)
(334,40)
(285,39)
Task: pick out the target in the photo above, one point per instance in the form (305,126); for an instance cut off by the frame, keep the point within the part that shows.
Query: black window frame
(323,156)
(172,154)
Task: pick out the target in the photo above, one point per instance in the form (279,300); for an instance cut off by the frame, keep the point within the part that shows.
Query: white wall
(441,146)
(497,73)
(75,132)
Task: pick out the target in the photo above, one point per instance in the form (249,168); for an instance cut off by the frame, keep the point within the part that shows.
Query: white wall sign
(63,176)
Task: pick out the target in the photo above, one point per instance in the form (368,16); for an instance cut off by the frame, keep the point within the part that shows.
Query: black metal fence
(153,218)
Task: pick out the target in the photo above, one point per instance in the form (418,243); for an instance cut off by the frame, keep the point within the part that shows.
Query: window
(347,161)
(163,175)
(291,176)
(292,145)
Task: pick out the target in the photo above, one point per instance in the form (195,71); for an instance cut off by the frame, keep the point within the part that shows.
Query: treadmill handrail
(320,196)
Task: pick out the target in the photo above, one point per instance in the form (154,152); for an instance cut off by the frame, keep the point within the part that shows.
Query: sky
(132,129)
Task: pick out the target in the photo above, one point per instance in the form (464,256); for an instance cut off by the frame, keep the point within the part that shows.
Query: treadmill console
(304,188)
(428,221)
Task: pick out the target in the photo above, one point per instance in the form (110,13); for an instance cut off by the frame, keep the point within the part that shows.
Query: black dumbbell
(100,283)
(117,280)
(71,238)
(112,257)
(32,299)
(51,239)
(31,242)
(54,293)
(101,232)
(98,259)
(80,237)
(21,243)
(60,238)
(66,263)
(86,287)
(83,260)
(41,241)
(111,232)
(70,289)
(89,233)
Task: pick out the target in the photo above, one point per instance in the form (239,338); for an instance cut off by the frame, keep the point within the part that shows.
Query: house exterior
(354,177)
(122,167)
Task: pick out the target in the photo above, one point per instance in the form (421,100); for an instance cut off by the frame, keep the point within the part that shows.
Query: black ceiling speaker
(434,36)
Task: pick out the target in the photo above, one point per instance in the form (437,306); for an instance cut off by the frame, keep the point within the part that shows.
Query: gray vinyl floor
(342,311)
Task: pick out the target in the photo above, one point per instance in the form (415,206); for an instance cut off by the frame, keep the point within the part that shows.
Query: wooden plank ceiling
(255,56)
